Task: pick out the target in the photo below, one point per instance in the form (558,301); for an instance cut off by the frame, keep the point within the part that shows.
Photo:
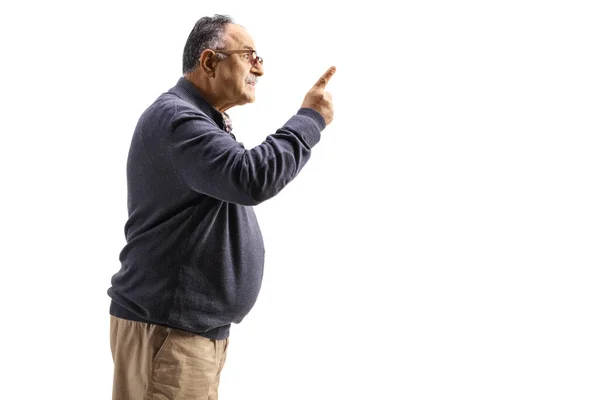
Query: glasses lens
(255,58)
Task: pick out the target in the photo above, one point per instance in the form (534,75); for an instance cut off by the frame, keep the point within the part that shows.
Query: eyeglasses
(252,56)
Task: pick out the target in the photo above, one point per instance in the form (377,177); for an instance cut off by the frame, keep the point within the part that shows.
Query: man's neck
(202,84)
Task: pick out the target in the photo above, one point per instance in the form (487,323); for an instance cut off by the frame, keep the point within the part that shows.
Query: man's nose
(258,69)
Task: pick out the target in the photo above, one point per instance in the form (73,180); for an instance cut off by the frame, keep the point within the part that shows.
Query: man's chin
(246,98)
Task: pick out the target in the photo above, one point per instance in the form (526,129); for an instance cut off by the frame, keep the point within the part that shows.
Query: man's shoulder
(170,100)
(170,106)
(171,111)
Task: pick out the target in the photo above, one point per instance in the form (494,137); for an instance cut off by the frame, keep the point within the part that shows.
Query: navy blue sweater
(194,255)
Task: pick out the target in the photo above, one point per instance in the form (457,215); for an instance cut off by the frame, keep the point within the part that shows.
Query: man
(194,256)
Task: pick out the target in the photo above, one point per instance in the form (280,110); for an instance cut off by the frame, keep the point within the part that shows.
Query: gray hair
(206,34)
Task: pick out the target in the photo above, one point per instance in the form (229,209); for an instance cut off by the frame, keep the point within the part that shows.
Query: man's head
(219,58)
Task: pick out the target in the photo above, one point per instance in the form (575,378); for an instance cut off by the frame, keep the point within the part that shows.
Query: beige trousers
(153,362)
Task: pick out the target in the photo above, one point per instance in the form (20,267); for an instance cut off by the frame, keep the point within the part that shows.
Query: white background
(442,243)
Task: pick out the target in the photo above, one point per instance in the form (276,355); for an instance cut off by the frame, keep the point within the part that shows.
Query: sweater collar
(187,91)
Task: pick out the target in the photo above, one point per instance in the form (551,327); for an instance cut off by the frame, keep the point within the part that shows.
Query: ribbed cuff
(314,115)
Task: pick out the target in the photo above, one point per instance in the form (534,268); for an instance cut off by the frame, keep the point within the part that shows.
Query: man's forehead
(238,36)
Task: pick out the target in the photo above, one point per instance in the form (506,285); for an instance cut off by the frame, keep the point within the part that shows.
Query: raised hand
(320,100)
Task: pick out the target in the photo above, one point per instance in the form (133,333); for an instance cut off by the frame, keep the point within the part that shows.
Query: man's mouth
(252,80)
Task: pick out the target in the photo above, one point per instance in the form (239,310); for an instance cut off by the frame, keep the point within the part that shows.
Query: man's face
(235,75)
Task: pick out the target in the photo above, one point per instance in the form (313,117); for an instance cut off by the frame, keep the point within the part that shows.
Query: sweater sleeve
(211,162)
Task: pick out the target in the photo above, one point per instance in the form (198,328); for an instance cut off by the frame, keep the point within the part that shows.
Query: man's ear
(208,62)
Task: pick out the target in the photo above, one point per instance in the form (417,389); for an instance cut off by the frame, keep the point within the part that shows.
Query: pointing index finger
(322,82)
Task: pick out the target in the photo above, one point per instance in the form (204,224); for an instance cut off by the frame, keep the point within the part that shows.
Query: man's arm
(213,163)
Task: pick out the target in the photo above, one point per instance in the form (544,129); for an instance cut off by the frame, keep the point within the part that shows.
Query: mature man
(193,262)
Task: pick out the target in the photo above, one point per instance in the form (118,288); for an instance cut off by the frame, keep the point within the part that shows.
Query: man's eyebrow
(248,47)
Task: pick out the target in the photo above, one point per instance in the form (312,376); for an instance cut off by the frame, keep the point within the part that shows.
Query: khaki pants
(153,362)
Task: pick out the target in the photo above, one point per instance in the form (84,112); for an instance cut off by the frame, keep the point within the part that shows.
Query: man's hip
(157,362)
